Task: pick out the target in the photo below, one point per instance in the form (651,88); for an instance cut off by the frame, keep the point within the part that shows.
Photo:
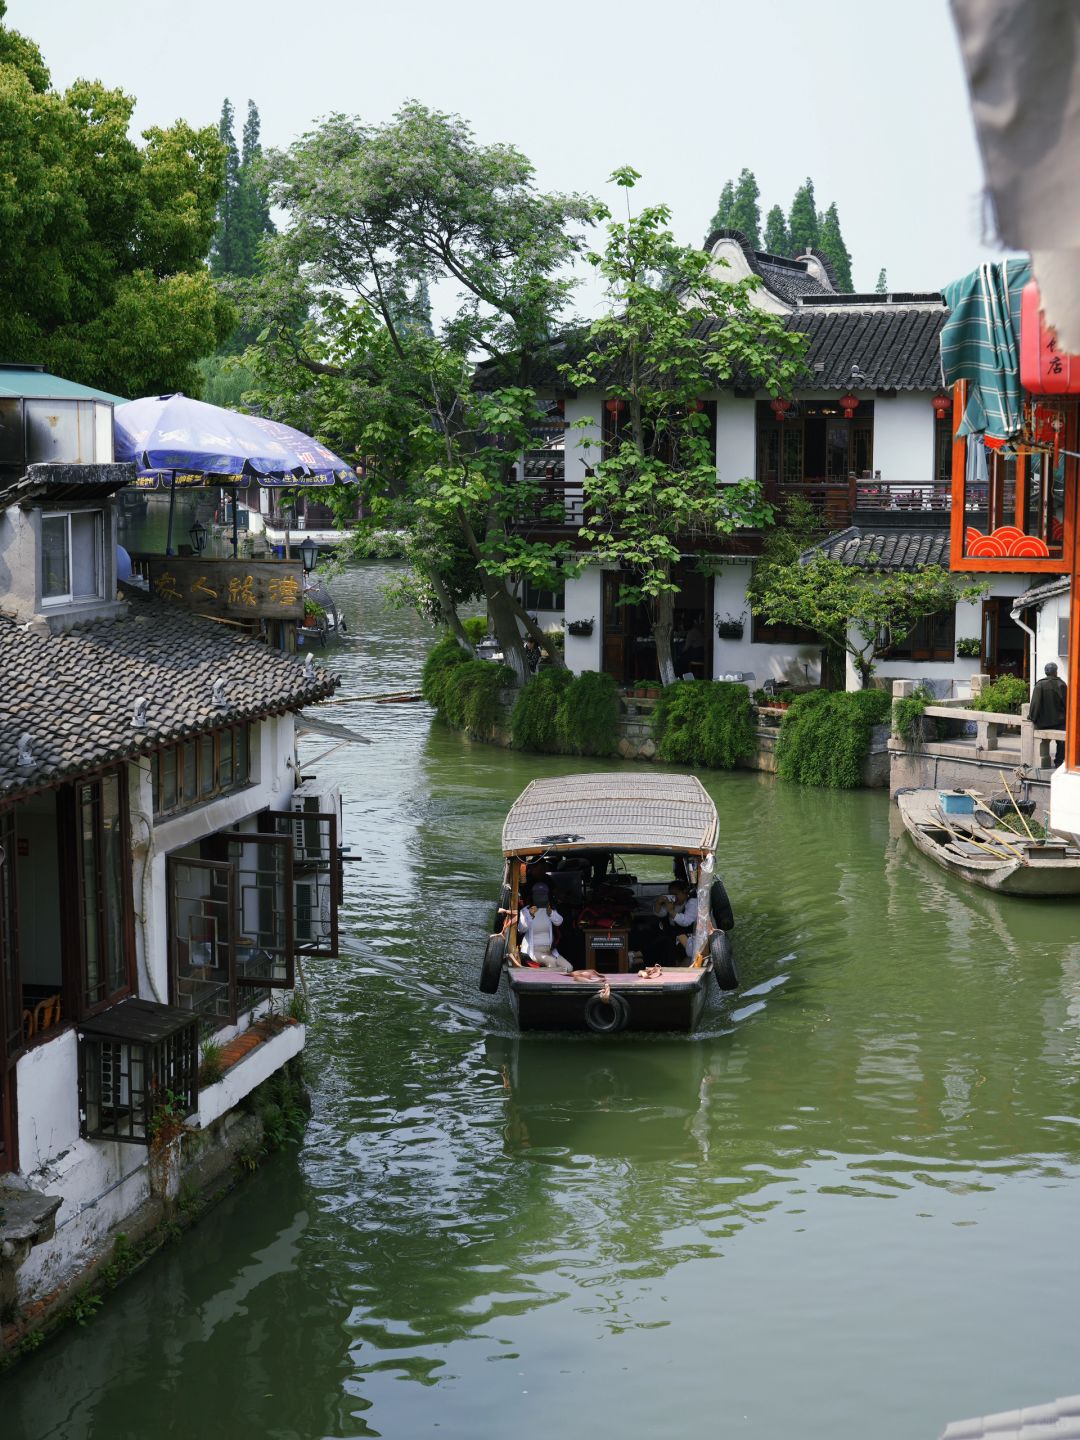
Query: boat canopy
(662,813)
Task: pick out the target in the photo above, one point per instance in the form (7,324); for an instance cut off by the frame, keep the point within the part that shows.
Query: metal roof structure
(33,382)
(1059,1420)
(665,813)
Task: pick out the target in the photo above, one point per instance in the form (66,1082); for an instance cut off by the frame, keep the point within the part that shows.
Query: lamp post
(198,537)
(309,554)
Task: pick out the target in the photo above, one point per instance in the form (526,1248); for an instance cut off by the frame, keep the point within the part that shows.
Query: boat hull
(547,1000)
(1041,875)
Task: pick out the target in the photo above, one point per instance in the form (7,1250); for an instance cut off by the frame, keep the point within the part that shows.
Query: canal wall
(121,1203)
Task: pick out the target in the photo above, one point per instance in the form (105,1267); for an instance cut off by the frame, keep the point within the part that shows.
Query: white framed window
(72,558)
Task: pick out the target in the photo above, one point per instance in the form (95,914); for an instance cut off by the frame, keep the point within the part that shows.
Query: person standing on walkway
(1047,712)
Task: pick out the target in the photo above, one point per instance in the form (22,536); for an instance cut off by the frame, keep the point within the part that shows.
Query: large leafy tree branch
(864,613)
(377,214)
(673,332)
(103,241)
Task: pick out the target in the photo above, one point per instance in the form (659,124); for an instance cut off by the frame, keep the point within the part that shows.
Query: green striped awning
(981,344)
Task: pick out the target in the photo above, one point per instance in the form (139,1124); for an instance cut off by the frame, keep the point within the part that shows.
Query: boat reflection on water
(569,1101)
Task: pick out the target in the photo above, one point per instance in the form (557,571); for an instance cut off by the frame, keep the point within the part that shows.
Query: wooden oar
(959,839)
(998,839)
(1016,807)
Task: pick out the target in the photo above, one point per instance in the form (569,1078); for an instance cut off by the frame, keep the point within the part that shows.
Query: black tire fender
(723,917)
(494,960)
(606,1016)
(723,962)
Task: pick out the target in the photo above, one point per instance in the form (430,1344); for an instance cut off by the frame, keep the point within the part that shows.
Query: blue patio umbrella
(174,440)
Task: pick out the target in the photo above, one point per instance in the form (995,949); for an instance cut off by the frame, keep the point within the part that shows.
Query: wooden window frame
(929,652)
(204,795)
(11,1027)
(74,920)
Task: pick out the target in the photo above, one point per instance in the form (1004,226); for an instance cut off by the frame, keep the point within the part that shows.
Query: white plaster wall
(736,448)
(584,601)
(47,1085)
(1065,802)
(583,447)
(903,435)
(738,269)
(1046,635)
(250,1072)
(790,664)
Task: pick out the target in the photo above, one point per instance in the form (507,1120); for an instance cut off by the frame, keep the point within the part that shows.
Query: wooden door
(615,623)
(988,658)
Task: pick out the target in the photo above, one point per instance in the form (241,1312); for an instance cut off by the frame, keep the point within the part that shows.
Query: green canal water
(848,1206)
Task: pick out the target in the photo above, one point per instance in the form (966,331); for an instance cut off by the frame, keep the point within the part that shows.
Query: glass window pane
(225,759)
(113,885)
(191,771)
(55,575)
(168,779)
(207,775)
(241,770)
(85,554)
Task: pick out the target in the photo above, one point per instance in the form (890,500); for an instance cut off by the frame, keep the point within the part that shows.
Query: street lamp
(309,554)
(198,537)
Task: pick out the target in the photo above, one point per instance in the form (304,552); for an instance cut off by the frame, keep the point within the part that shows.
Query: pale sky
(868,99)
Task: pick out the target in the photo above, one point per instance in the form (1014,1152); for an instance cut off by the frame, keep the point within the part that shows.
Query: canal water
(847,1206)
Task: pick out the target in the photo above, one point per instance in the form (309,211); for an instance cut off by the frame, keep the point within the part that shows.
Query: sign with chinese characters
(236,589)
(1045,369)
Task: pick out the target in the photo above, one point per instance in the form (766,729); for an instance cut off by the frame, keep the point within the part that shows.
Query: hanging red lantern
(694,406)
(779,408)
(942,404)
(614,407)
(850,404)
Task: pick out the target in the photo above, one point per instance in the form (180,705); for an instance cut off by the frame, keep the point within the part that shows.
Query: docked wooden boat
(977,848)
(603,853)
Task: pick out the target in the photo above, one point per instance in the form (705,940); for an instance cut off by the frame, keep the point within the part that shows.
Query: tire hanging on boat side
(723,962)
(605,1017)
(722,914)
(494,959)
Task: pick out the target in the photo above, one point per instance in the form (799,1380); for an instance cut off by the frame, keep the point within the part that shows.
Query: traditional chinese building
(162,873)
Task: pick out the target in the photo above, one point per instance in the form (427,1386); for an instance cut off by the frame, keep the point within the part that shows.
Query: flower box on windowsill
(580,627)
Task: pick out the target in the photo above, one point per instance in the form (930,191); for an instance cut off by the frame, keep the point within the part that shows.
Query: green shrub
(825,735)
(470,695)
(1005,695)
(707,723)
(587,718)
(475,627)
(533,723)
(442,659)
(907,712)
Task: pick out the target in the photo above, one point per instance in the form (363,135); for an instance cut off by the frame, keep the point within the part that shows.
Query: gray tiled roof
(19,484)
(789,279)
(895,346)
(1059,1420)
(884,550)
(75,693)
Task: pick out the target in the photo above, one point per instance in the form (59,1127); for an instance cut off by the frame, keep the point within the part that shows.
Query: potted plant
(969,646)
(729,627)
(314,614)
(581,627)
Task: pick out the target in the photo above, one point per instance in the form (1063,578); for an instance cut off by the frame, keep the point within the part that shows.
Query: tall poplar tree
(252,205)
(803,219)
(831,244)
(746,212)
(223,250)
(882,286)
(777,239)
(725,208)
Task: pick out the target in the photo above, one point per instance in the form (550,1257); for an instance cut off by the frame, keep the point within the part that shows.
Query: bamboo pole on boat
(998,839)
(990,849)
(1016,807)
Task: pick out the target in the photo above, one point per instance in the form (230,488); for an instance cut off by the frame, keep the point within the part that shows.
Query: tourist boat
(973,844)
(607,848)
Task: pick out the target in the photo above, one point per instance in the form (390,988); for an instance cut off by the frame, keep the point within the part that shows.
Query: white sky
(869,99)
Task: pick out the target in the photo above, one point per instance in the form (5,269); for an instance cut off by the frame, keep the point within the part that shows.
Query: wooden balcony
(552,508)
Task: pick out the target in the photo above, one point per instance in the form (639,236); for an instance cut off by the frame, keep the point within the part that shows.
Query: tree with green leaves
(882,285)
(244,209)
(831,244)
(103,241)
(862,612)
(725,208)
(803,220)
(657,484)
(777,239)
(223,251)
(375,212)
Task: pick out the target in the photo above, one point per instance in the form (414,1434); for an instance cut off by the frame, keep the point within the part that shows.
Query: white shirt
(538,929)
(687,916)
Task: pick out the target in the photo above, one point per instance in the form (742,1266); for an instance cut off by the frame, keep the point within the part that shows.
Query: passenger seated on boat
(538,923)
(678,911)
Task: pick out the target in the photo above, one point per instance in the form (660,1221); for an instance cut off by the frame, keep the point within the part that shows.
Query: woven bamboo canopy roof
(661,813)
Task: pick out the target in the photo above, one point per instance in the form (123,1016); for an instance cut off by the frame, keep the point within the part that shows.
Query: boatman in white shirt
(537,924)
(678,912)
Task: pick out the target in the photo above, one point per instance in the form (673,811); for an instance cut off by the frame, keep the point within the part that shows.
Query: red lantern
(694,406)
(614,407)
(779,408)
(850,404)
(942,404)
